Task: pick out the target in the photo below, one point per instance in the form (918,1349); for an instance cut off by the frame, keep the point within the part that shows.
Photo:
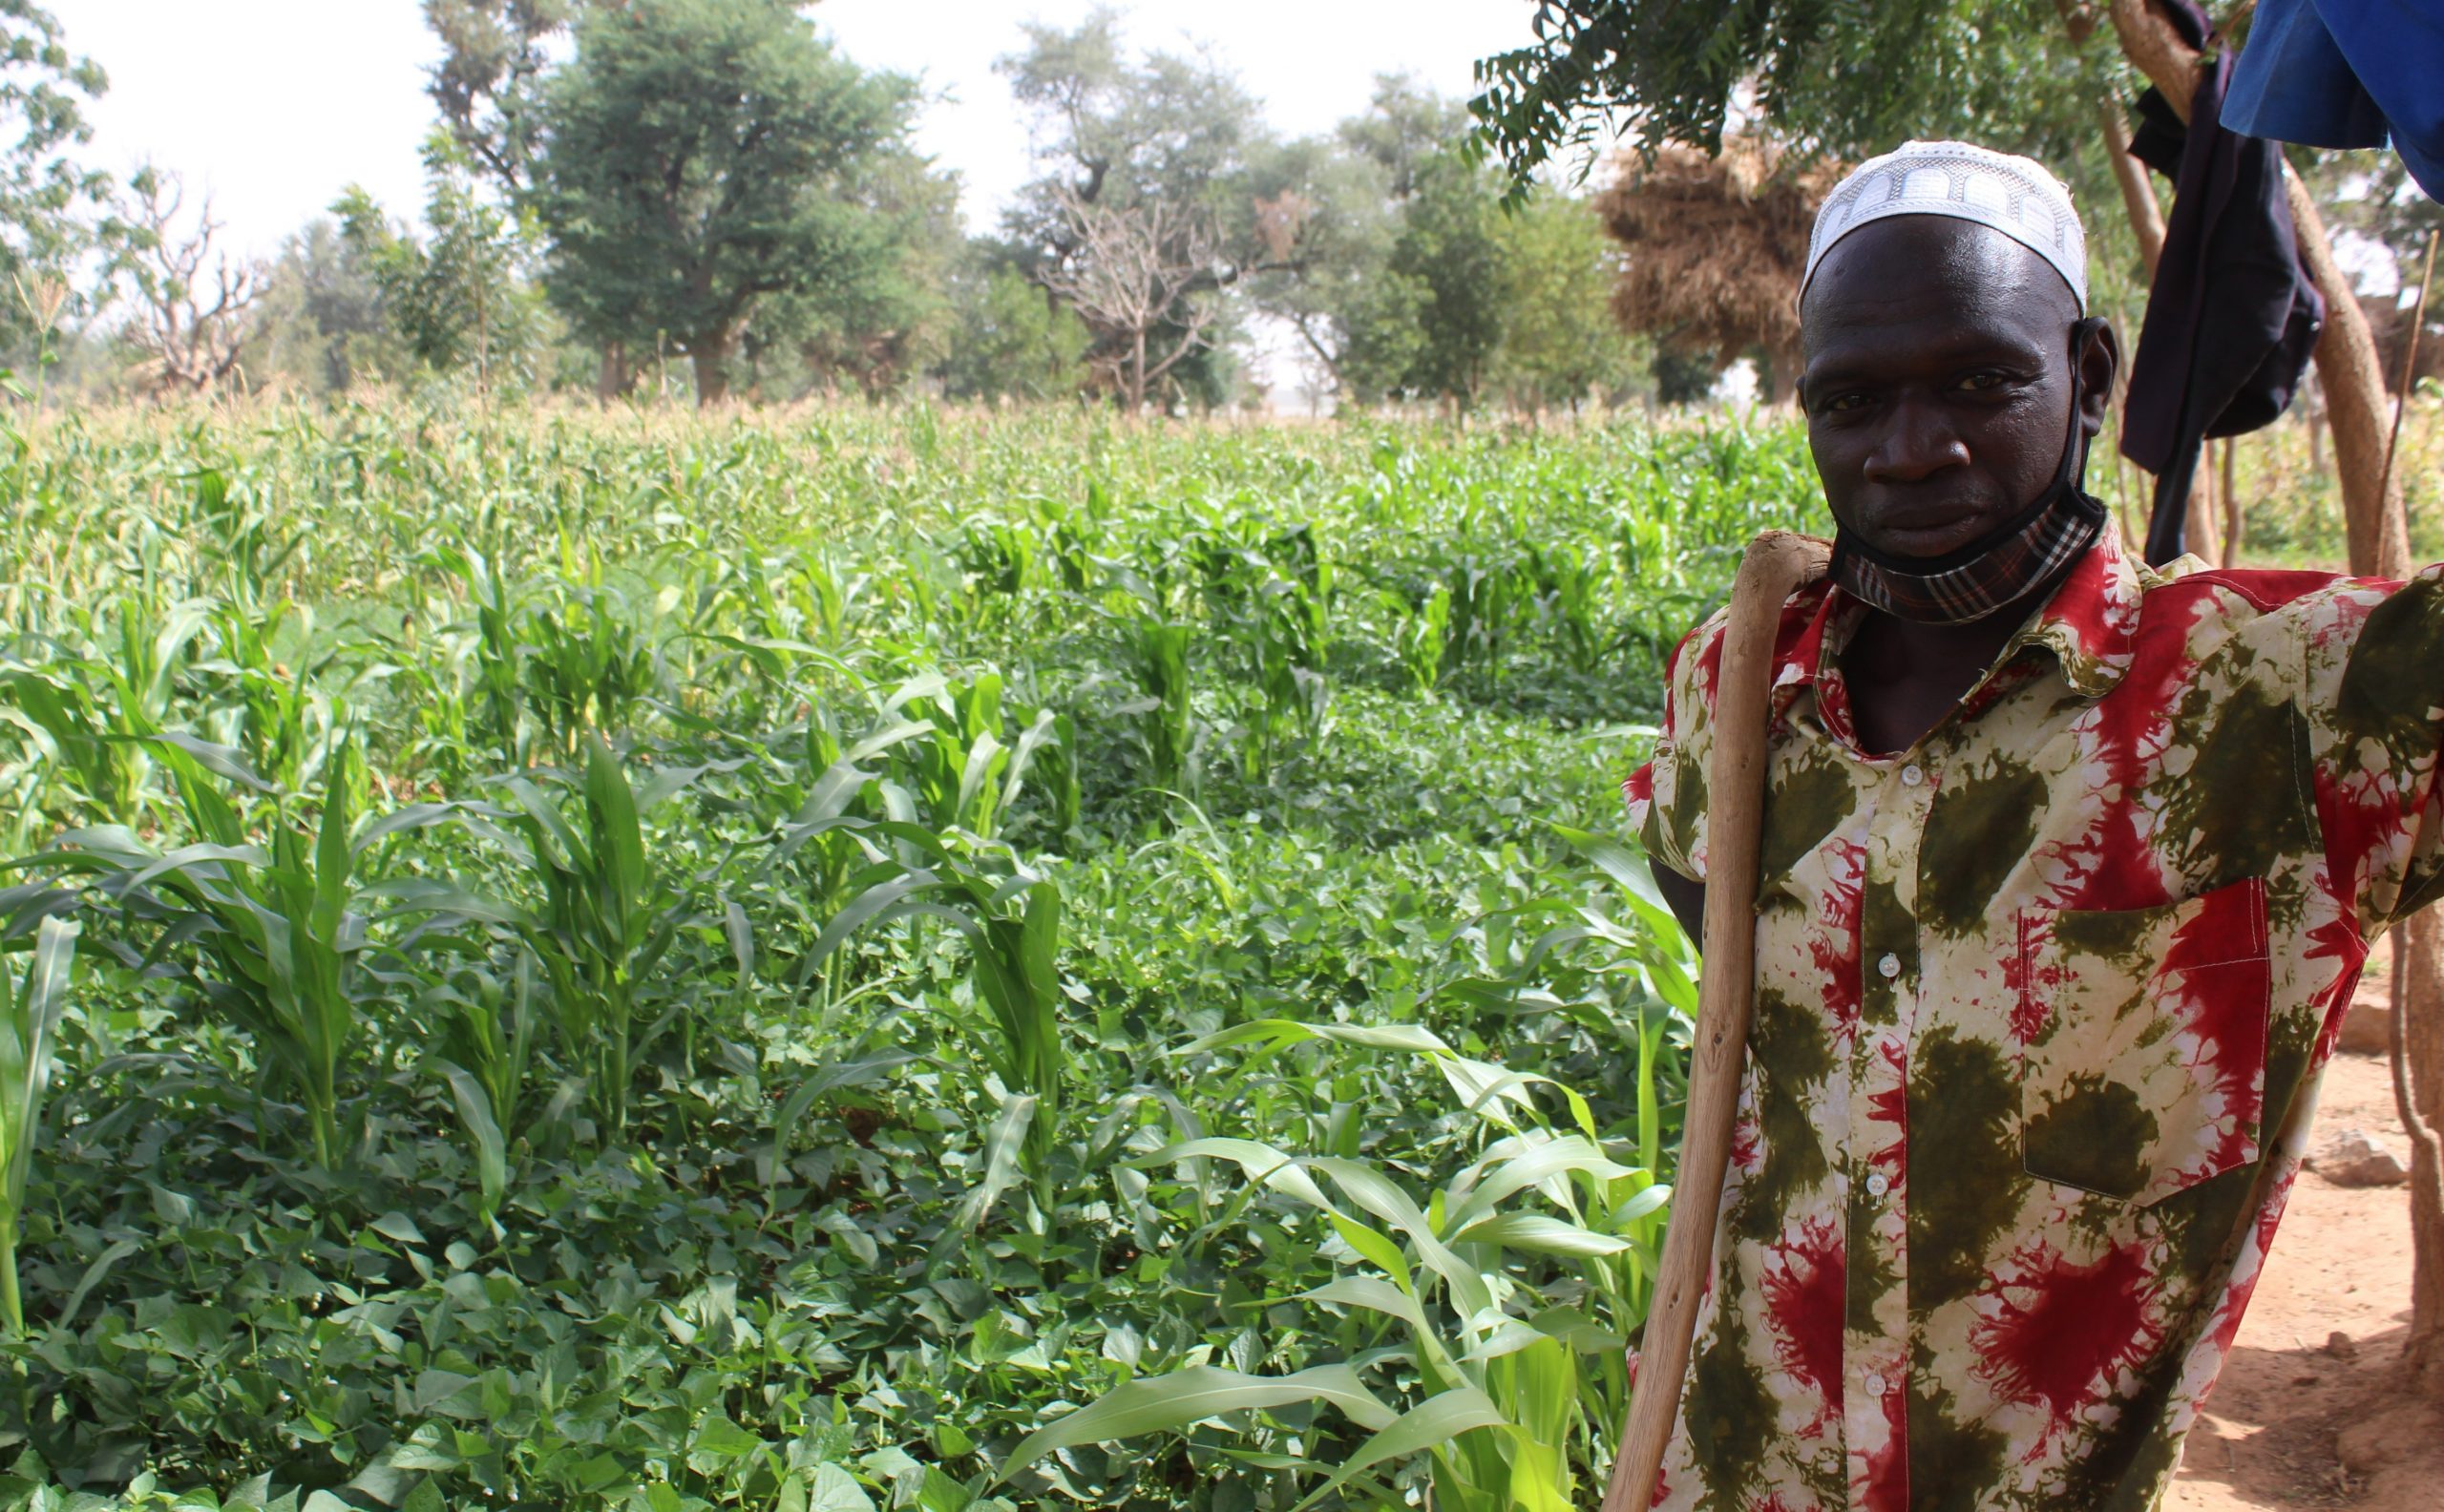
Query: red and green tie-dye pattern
(2040,1008)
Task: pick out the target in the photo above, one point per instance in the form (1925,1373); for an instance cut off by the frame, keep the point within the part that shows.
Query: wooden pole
(2410,360)
(1777,564)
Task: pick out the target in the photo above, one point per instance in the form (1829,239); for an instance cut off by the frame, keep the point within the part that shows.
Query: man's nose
(1919,442)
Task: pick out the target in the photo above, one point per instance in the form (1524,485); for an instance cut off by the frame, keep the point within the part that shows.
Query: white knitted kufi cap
(2015,196)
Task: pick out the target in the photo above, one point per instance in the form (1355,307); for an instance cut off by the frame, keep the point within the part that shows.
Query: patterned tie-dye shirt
(2041,1003)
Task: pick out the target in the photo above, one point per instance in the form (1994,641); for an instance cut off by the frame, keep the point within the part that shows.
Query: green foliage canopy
(460,298)
(703,158)
(52,208)
(1842,79)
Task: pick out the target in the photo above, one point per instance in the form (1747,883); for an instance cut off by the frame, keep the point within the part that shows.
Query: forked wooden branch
(1778,563)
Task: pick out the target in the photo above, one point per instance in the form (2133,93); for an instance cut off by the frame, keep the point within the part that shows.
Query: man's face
(1938,381)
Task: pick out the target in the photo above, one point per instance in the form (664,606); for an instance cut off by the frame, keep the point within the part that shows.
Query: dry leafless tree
(194,306)
(1132,274)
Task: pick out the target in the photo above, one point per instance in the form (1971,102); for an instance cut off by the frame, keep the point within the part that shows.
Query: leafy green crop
(847,959)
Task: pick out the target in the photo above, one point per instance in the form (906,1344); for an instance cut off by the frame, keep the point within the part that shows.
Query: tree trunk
(611,379)
(2379,543)
(2201,528)
(710,359)
(2418,1019)
(2137,192)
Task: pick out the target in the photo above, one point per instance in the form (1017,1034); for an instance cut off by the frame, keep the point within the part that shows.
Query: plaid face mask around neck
(1989,573)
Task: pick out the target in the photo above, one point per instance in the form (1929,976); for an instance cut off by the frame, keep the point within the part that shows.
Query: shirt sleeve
(2382,657)
(1667,796)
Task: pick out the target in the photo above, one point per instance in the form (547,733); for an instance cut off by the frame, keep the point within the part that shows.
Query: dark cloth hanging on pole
(2233,315)
(2345,74)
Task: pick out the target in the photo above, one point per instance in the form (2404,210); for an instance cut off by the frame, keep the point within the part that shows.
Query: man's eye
(1979,382)
(1843,404)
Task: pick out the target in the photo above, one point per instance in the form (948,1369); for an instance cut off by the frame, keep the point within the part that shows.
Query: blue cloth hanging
(2345,74)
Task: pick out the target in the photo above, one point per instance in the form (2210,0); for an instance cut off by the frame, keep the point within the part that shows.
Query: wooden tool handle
(1778,563)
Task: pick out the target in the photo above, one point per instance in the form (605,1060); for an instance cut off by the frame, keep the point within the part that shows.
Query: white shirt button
(1878,1184)
(1874,1385)
(1889,967)
(1912,775)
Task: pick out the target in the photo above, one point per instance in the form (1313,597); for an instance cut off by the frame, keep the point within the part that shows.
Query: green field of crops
(845,958)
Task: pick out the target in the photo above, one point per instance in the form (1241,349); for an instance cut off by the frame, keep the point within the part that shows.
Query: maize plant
(1163,715)
(276,927)
(1484,1288)
(607,917)
(29,1012)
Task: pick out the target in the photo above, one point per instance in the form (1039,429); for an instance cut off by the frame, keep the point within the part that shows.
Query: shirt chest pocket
(2144,1071)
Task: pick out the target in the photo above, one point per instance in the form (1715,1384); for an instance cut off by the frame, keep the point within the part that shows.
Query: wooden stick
(2409,361)
(1777,564)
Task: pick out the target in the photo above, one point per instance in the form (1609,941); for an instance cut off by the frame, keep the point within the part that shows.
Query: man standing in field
(2069,868)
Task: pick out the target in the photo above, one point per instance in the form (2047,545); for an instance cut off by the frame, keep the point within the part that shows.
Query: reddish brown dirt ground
(2311,1411)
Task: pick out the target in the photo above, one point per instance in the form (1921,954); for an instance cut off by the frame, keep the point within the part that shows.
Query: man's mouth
(1926,529)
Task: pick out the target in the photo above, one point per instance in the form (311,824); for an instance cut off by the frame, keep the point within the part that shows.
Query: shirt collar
(2088,623)
(2091,621)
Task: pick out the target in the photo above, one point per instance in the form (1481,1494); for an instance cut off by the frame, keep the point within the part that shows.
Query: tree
(1009,336)
(1715,245)
(194,308)
(54,212)
(1130,273)
(1159,146)
(488,84)
(1558,268)
(1447,264)
(880,330)
(703,158)
(1360,321)
(460,298)
(322,325)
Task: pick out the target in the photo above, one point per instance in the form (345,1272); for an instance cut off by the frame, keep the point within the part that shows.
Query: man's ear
(2096,356)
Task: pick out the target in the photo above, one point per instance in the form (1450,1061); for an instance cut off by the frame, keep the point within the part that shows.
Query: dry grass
(1714,246)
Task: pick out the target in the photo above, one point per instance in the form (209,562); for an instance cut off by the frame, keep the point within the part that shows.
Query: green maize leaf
(1379,1297)
(1374,1245)
(1374,1191)
(402,820)
(1541,1235)
(221,761)
(613,808)
(1429,1425)
(1290,1031)
(1261,1161)
(1001,1158)
(1567,1154)
(874,903)
(832,1078)
(1161,1403)
(545,814)
(883,739)
(483,1131)
(667,783)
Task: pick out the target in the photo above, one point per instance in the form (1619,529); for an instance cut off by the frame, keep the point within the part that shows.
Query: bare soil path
(2311,1411)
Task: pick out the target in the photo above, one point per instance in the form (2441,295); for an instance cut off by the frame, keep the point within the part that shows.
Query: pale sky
(276,106)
